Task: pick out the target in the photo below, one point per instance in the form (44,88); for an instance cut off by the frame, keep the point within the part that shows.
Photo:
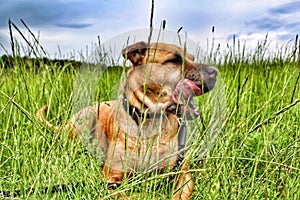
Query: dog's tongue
(190,84)
(185,90)
(183,95)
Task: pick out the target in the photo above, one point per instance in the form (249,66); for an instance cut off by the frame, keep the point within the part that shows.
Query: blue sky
(73,24)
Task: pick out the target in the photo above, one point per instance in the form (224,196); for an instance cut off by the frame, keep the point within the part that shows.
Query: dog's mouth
(183,95)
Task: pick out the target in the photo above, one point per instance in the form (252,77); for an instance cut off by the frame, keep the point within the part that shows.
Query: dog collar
(135,113)
(181,144)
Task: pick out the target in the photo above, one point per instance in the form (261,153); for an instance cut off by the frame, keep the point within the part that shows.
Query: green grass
(257,155)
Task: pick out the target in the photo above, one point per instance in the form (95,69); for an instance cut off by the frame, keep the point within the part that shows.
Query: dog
(140,131)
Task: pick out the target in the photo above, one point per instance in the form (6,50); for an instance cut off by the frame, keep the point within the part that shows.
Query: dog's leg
(114,180)
(185,184)
(114,177)
(113,169)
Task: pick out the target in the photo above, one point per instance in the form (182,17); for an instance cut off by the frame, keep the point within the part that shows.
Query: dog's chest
(148,146)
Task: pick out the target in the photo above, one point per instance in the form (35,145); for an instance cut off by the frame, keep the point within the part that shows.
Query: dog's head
(164,76)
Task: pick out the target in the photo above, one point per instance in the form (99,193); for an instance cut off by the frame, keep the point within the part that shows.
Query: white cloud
(72,26)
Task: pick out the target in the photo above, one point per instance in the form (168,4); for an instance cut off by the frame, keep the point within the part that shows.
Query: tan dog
(139,132)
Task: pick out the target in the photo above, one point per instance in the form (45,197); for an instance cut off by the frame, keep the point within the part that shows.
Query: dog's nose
(211,71)
(210,76)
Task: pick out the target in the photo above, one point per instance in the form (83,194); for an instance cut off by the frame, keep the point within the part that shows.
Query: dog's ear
(135,53)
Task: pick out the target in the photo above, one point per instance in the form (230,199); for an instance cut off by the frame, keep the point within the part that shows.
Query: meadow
(256,156)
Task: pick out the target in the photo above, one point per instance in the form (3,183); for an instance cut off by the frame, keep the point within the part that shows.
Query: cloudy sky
(74,24)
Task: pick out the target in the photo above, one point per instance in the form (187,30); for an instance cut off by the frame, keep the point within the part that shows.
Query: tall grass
(257,155)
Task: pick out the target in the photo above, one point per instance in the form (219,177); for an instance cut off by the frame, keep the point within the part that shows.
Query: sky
(67,27)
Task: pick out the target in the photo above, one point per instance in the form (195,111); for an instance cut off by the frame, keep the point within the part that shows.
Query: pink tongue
(186,89)
(183,95)
(192,85)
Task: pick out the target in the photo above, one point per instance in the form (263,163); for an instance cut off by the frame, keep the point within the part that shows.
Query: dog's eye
(175,60)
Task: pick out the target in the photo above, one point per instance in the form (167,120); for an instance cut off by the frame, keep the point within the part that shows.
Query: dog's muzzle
(186,89)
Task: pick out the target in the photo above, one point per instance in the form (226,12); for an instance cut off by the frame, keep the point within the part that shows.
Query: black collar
(135,112)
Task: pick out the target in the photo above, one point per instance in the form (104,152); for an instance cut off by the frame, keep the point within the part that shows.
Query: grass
(257,155)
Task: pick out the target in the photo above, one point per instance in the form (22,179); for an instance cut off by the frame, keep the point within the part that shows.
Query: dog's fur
(152,86)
